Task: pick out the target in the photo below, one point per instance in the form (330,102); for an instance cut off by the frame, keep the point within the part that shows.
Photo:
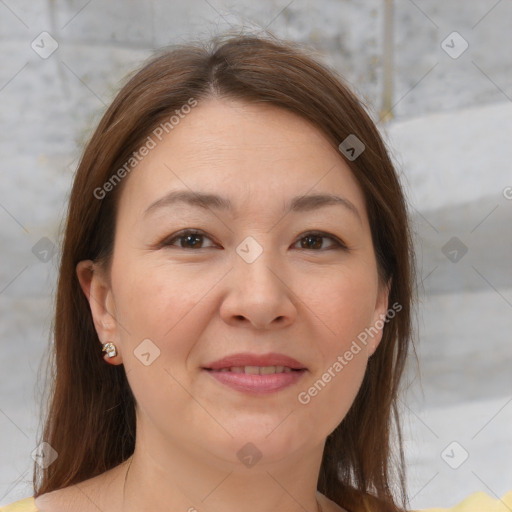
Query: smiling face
(268,268)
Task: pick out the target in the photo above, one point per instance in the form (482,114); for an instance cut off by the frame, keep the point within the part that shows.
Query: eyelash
(168,242)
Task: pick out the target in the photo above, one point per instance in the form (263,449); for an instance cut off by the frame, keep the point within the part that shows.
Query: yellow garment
(24,505)
(477,502)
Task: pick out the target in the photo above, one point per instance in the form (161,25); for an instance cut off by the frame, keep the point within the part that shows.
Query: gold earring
(110,349)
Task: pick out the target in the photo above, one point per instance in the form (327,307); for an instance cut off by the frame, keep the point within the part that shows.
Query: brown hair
(91,400)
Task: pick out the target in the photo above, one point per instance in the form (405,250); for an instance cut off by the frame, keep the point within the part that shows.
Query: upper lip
(247,359)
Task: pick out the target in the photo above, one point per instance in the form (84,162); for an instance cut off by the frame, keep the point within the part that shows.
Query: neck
(175,479)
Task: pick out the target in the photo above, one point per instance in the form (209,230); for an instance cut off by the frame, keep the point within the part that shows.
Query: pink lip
(247,359)
(257,383)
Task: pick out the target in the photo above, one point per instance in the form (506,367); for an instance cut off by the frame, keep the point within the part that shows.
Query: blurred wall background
(436,77)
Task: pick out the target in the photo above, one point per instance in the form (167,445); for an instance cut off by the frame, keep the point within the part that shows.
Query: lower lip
(257,383)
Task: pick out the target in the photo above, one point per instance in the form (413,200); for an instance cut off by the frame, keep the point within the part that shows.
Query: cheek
(161,312)
(346,305)
(331,393)
(157,300)
(346,308)
(171,308)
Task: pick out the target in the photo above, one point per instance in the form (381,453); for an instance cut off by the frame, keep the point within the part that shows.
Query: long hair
(90,420)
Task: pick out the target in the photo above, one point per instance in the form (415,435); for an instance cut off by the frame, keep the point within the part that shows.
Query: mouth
(254,364)
(255,383)
(256,374)
(256,370)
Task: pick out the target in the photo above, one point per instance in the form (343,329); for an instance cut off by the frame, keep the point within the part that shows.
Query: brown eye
(187,239)
(193,239)
(314,241)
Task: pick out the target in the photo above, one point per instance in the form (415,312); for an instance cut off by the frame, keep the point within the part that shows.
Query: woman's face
(249,281)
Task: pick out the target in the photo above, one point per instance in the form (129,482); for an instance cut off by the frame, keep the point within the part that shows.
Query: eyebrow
(212,201)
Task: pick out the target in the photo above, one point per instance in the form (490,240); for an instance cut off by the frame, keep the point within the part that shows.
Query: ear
(379,316)
(97,289)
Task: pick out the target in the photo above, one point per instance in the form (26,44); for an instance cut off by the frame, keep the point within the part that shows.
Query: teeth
(257,370)
(271,369)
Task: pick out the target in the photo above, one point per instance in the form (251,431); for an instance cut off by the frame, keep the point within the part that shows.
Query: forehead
(247,152)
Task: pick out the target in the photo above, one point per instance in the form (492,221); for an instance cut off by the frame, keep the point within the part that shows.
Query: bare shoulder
(87,496)
(58,501)
(328,505)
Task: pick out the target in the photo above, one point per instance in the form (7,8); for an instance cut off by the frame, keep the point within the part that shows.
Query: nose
(259,294)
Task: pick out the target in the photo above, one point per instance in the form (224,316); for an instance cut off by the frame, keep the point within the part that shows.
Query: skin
(200,304)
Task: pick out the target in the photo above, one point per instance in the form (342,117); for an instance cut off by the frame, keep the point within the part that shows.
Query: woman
(234,299)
